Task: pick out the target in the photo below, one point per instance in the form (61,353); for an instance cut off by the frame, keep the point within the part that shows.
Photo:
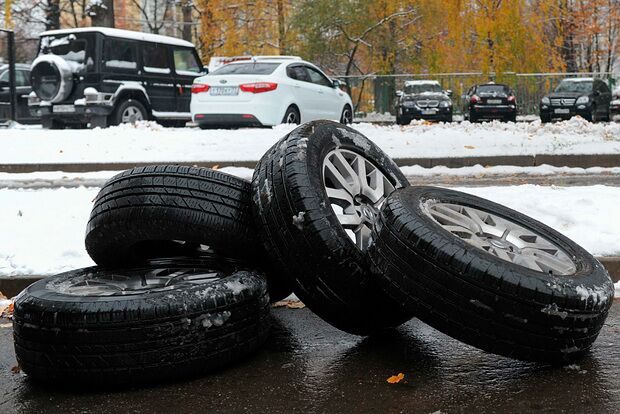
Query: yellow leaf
(469,146)
(215,167)
(291,304)
(395,379)
(16,369)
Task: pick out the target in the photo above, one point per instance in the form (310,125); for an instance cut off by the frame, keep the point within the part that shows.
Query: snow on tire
(169,319)
(167,209)
(316,194)
(488,275)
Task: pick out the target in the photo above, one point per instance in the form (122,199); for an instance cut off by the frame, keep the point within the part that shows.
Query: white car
(268,91)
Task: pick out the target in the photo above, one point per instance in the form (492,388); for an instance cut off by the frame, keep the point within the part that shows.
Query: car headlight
(545,101)
(409,104)
(445,104)
(582,100)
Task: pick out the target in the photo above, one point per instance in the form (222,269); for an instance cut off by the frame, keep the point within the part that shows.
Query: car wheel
(128,112)
(167,319)
(291,116)
(51,123)
(315,196)
(149,211)
(448,118)
(472,118)
(488,275)
(347,115)
(545,118)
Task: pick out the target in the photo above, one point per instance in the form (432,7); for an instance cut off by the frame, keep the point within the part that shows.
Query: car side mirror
(448,92)
(336,84)
(399,93)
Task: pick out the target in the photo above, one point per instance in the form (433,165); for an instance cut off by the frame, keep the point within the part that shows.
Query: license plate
(224,90)
(562,111)
(63,108)
(429,112)
(494,101)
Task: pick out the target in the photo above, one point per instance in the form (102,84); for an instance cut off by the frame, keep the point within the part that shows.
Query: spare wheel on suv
(51,77)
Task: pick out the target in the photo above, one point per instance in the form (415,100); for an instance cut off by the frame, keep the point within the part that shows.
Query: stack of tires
(189,260)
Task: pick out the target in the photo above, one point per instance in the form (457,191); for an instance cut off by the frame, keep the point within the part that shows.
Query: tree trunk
(52,15)
(102,13)
(281,28)
(186,10)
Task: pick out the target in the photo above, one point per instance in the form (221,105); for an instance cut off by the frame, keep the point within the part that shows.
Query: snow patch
(298,220)
(554,311)
(617,290)
(209,320)
(235,287)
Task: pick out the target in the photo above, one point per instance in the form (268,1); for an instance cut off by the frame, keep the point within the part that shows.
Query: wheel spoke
(501,237)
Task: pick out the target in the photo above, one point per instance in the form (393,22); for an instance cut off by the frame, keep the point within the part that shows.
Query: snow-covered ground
(43,230)
(149,142)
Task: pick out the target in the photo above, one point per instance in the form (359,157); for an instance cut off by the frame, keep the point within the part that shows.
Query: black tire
(181,330)
(545,118)
(448,118)
(478,298)
(511,118)
(117,116)
(291,116)
(51,123)
(151,211)
(472,117)
(346,118)
(303,236)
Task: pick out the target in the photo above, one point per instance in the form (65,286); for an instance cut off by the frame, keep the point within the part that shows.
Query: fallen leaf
(395,379)
(16,369)
(2,296)
(291,304)
(215,167)
(6,308)
(470,147)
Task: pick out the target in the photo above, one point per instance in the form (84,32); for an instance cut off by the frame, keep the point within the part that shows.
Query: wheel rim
(291,118)
(131,114)
(346,116)
(135,282)
(501,237)
(356,189)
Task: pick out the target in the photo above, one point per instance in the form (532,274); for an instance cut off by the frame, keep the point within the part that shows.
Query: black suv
(100,76)
(22,87)
(490,101)
(423,99)
(587,97)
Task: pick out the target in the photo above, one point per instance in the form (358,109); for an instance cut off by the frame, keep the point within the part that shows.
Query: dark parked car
(423,99)
(100,76)
(22,87)
(586,97)
(490,101)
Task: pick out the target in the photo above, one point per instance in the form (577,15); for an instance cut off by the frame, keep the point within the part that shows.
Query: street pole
(10,38)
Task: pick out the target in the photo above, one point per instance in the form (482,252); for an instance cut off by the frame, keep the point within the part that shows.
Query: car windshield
(252,68)
(493,89)
(574,86)
(422,87)
(73,50)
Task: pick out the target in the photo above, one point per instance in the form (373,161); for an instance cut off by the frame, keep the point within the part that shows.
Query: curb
(12,285)
(569,160)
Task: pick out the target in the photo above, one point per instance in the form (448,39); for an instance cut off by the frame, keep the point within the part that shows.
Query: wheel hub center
(369,213)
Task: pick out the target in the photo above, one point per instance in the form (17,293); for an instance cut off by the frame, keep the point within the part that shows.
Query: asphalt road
(309,367)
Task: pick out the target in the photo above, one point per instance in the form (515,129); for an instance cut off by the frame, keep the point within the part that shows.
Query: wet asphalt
(309,367)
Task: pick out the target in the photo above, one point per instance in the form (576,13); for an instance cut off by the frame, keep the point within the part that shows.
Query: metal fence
(377,93)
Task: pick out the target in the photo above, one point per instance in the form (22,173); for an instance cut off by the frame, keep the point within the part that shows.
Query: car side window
(22,78)
(298,73)
(120,55)
(186,62)
(155,58)
(4,76)
(317,77)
